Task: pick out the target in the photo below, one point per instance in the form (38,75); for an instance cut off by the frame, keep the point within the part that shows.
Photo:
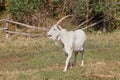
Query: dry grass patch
(39,59)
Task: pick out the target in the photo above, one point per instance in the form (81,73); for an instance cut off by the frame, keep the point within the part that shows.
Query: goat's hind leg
(82,56)
(75,58)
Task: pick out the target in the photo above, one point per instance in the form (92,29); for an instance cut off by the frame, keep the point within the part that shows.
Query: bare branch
(117,3)
(3,28)
(2,20)
(117,18)
(94,24)
(18,23)
(22,24)
(11,32)
(84,22)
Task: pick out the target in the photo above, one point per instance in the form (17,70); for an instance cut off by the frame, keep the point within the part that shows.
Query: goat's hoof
(73,64)
(82,65)
(64,70)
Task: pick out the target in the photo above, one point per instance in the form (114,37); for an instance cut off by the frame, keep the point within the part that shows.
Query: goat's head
(54,32)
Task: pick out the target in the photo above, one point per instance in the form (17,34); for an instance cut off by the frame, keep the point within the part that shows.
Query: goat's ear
(59,28)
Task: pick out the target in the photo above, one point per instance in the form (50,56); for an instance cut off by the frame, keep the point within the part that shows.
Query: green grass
(40,59)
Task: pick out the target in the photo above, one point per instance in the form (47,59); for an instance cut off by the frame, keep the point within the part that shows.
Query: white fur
(73,41)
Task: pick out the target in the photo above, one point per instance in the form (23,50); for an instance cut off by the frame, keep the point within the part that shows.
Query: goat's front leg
(67,61)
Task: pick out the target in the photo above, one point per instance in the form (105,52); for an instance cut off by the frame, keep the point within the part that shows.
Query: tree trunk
(2,5)
(104,26)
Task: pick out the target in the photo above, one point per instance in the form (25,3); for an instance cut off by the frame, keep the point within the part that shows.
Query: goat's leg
(67,61)
(66,54)
(82,56)
(75,57)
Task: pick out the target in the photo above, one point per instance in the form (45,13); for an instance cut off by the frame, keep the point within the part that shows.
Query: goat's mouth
(49,36)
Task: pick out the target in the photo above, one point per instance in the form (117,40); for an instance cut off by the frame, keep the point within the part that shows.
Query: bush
(22,10)
(34,11)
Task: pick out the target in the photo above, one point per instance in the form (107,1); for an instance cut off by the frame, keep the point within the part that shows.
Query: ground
(22,58)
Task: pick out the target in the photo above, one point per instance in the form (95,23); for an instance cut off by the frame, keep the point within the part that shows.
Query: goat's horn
(62,19)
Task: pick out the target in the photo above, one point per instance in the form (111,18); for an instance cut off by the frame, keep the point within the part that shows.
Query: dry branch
(11,32)
(93,24)
(117,18)
(18,23)
(22,24)
(2,20)
(117,3)
(84,22)
(3,28)
(98,76)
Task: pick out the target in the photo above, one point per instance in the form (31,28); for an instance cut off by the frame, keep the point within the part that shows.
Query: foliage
(24,10)
(100,9)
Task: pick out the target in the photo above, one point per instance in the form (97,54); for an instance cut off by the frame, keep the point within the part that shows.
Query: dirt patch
(101,63)
(118,63)
(53,67)
(9,59)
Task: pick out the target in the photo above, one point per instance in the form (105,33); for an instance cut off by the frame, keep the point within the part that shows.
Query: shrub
(33,11)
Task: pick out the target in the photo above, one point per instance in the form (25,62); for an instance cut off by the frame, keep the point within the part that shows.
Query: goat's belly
(78,45)
(78,48)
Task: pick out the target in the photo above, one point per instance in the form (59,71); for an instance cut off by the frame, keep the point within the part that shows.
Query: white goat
(73,41)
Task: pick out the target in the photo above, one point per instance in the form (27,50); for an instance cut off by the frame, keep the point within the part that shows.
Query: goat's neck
(62,33)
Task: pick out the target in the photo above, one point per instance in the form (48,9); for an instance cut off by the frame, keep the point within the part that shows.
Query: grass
(39,59)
